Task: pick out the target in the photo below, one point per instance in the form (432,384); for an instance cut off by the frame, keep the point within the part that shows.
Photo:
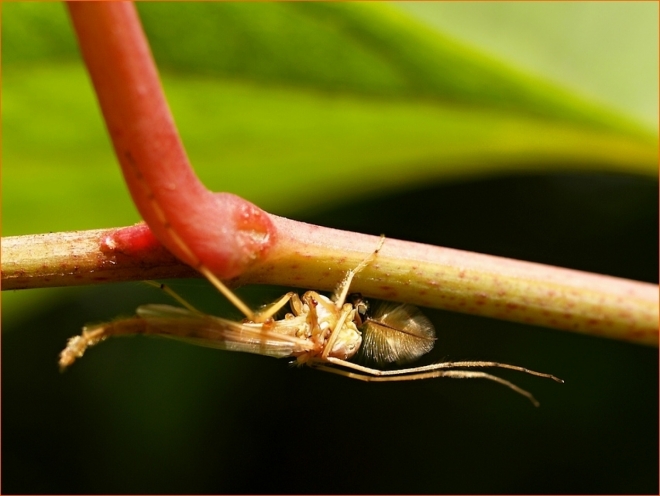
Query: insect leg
(174,295)
(454,374)
(261,316)
(438,366)
(269,310)
(228,293)
(341,292)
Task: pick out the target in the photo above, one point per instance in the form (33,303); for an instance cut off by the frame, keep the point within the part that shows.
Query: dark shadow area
(146,416)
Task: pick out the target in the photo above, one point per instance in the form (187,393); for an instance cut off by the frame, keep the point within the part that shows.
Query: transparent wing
(396,334)
(215,332)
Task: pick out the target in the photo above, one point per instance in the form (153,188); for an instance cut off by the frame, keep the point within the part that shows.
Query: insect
(321,332)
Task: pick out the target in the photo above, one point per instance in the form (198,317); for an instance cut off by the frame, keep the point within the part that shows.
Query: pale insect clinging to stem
(320,332)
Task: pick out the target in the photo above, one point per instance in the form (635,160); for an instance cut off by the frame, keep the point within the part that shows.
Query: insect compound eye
(363,309)
(360,304)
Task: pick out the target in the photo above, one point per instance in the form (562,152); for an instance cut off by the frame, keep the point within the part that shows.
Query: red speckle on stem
(636,334)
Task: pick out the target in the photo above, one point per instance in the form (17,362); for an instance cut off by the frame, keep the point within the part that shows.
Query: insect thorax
(323,316)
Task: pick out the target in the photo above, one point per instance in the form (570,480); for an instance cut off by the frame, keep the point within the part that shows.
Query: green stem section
(314,257)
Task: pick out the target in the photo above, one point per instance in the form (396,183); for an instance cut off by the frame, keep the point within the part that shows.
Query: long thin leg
(341,292)
(261,316)
(438,366)
(453,374)
(268,311)
(174,295)
(228,293)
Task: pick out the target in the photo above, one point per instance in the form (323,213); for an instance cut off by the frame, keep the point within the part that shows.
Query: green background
(522,130)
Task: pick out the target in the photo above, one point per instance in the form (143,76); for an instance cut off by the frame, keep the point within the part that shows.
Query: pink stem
(221,232)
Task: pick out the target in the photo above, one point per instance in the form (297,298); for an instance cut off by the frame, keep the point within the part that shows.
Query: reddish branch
(219,231)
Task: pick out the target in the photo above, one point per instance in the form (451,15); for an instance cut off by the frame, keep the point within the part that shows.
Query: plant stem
(220,232)
(315,257)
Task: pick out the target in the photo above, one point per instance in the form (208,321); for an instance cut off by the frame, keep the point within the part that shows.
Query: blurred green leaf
(607,50)
(286,104)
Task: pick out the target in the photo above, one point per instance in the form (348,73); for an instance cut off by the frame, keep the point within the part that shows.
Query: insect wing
(213,332)
(396,334)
